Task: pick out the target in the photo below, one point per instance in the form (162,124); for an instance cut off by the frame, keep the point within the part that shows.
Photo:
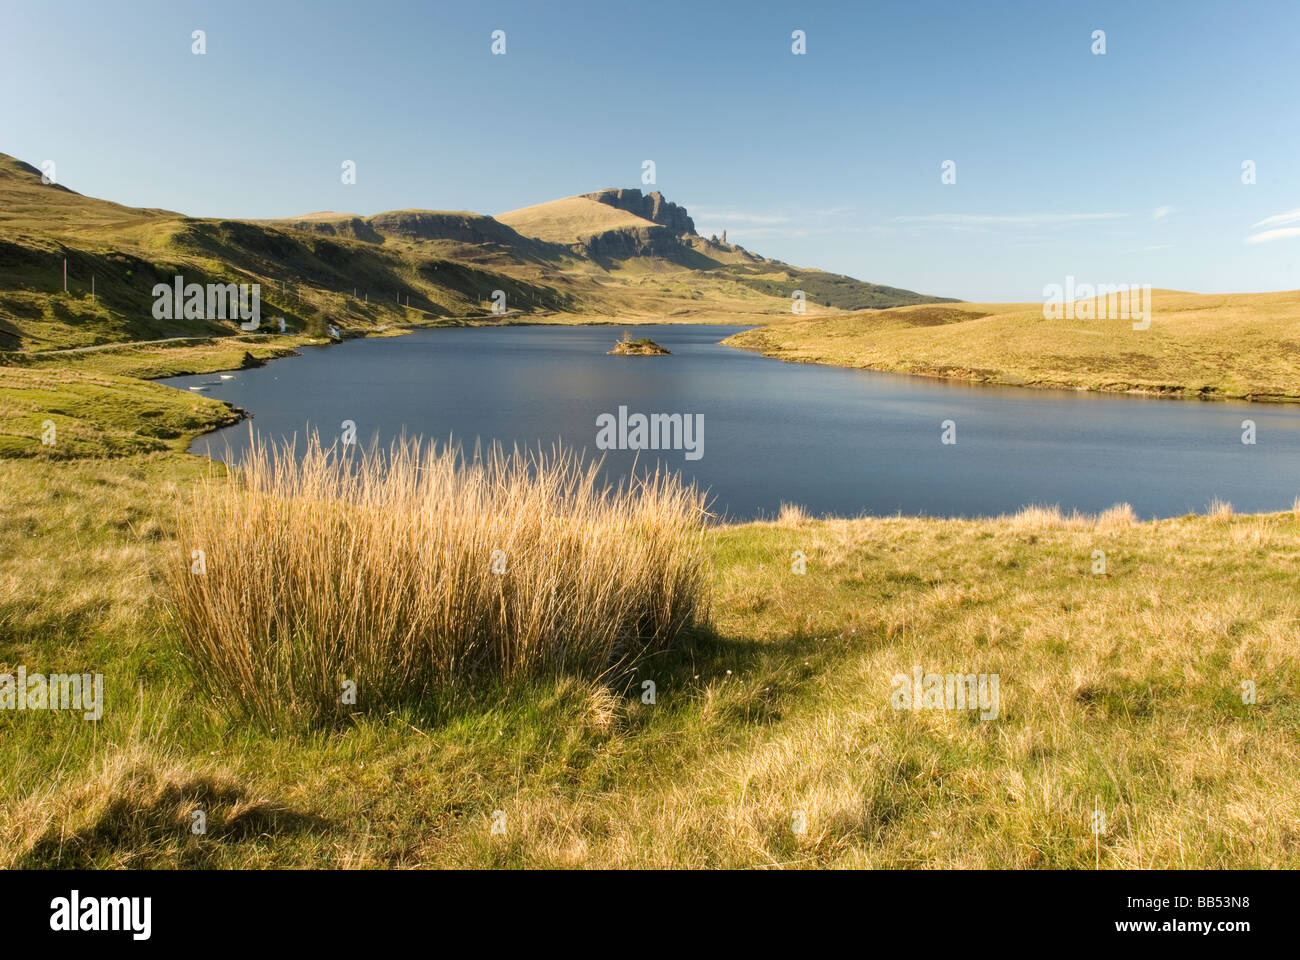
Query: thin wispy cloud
(1269,235)
(1279,232)
(1161,212)
(1292,216)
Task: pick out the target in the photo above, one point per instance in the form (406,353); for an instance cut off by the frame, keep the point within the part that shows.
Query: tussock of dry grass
(1219,510)
(791,515)
(1037,517)
(411,570)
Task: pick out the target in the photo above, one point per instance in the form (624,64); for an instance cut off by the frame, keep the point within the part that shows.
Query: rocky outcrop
(630,242)
(355,228)
(436,225)
(652,207)
(467,228)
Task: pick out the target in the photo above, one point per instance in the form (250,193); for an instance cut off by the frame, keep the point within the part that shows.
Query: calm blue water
(837,441)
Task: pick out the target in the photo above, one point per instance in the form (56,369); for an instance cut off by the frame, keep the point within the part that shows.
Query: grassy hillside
(778,714)
(575,258)
(311,279)
(1212,346)
(570,220)
(824,289)
(361,274)
(594,226)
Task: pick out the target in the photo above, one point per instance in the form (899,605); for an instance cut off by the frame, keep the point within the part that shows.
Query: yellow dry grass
(332,583)
(570,219)
(1197,345)
(1123,690)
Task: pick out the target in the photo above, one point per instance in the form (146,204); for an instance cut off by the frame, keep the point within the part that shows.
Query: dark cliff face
(632,242)
(356,228)
(651,207)
(437,225)
(469,228)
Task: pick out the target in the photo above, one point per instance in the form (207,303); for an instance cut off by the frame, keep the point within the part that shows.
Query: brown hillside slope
(1198,345)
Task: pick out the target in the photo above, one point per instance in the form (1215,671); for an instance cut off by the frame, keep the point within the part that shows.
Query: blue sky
(1117,168)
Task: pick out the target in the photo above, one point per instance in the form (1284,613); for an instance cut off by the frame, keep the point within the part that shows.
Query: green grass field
(1119,692)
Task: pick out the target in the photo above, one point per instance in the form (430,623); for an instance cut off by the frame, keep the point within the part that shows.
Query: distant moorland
(1206,346)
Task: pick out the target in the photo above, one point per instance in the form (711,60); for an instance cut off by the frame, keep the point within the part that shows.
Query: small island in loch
(645,347)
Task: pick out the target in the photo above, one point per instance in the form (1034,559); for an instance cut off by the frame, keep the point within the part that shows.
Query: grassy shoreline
(983,379)
(1191,332)
(82,389)
(1197,346)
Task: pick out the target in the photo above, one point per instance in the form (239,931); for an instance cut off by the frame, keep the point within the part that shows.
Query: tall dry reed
(413,570)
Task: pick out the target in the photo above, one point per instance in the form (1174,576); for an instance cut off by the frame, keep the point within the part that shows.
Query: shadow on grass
(766,673)
(143,828)
(749,681)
